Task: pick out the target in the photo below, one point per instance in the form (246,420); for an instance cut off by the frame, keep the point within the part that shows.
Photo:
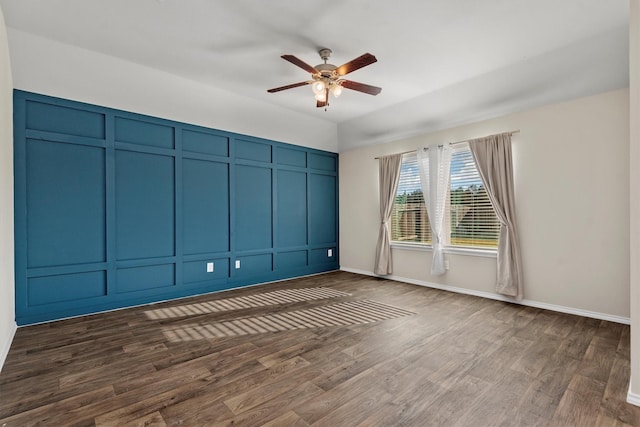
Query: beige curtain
(492,155)
(389,178)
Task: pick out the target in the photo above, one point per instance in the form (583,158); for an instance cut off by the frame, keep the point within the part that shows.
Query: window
(472,221)
(409,221)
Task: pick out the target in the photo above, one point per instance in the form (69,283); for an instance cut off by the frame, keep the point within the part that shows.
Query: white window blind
(472,221)
(409,221)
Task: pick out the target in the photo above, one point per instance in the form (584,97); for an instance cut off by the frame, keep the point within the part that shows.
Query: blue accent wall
(114,209)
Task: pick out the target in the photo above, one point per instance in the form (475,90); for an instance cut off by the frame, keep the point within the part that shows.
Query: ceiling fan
(327,78)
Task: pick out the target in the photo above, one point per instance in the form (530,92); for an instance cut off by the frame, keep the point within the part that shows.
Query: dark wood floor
(360,351)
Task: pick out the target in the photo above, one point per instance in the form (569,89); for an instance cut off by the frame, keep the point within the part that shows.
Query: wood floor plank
(610,331)
(562,326)
(597,361)
(267,391)
(355,410)
(208,402)
(576,343)
(268,413)
(500,402)
(49,413)
(316,408)
(556,375)
(412,394)
(612,407)
(289,419)
(535,357)
(105,374)
(289,353)
(453,404)
(151,420)
(453,360)
(95,409)
(143,407)
(580,404)
(493,364)
(154,380)
(535,404)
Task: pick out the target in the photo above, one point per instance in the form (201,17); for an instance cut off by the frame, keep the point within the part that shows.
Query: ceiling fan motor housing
(327,70)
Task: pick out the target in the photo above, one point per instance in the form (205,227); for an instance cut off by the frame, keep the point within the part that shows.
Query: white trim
(422,247)
(633,398)
(498,297)
(4,351)
(458,250)
(455,250)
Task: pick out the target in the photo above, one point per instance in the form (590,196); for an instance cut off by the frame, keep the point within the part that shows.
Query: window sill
(485,253)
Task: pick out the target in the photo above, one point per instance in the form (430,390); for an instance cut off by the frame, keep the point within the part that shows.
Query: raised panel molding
(292,208)
(254,198)
(78,177)
(322,204)
(205,143)
(144,133)
(205,195)
(114,209)
(54,118)
(145,215)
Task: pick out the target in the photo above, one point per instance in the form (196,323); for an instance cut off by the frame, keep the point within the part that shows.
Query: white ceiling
(440,62)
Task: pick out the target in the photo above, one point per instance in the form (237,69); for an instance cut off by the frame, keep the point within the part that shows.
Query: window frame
(453,250)
(486,252)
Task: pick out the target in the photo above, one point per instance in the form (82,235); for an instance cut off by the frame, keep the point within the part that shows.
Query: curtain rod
(460,142)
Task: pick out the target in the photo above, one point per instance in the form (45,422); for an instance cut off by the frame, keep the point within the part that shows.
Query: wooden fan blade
(324,103)
(356,64)
(300,63)
(291,86)
(361,87)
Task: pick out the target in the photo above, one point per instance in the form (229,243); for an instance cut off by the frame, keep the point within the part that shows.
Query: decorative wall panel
(115,209)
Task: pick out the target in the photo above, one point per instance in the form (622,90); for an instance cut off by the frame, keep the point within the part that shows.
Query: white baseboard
(498,297)
(633,398)
(5,346)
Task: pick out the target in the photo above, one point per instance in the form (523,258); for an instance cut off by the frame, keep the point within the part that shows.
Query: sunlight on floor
(340,314)
(238,303)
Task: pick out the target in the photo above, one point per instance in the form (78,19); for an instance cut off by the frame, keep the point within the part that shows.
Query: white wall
(634,196)
(52,68)
(7,308)
(572,182)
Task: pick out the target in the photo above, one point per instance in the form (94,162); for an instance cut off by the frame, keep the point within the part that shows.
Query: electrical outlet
(209,267)
(237,264)
(446,264)
(329,252)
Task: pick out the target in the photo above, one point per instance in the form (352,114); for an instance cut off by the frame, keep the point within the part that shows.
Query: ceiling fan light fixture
(336,90)
(318,87)
(321,97)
